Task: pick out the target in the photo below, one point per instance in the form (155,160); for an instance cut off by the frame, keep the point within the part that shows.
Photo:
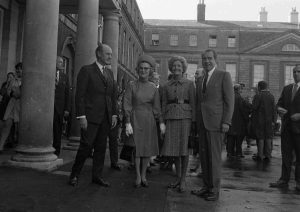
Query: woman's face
(10,77)
(177,68)
(144,70)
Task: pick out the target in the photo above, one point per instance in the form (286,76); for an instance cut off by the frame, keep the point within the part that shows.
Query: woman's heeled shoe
(145,183)
(174,185)
(138,185)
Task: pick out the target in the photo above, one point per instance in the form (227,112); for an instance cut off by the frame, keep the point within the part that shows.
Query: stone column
(111,35)
(87,38)
(38,84)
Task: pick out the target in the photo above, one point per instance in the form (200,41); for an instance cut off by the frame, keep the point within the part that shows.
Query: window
(231,42)
(212,41)
(231,68)
(290,48)
(155,39)
(288,74)
(190,72)
(174,40)
(258,73)
(123,47)
(193,40)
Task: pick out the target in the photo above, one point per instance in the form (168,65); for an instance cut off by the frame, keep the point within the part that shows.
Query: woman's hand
(129,130)
(162,127)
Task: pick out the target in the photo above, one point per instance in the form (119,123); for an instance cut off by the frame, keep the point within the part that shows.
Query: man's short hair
(19,65)
(262,85)
(211,50)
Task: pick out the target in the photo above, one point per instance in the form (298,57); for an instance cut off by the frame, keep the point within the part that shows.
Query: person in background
(288,107)
(12,112)
(263,120)
(178,106)
(238,128)
(96,110)
(61,103)
(215,104)
(141,106)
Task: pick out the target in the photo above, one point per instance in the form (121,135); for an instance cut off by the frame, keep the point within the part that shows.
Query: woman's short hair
(180,59)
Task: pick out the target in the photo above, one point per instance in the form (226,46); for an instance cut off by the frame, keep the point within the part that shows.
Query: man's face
(296,73)
(105,56)
(19,72)
(208,61)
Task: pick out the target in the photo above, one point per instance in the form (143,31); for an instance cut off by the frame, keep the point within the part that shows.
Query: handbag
(127,153)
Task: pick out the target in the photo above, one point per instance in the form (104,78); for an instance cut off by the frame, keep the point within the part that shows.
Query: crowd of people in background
(155,123)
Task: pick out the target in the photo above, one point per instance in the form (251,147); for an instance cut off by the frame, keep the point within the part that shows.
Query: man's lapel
(98,73)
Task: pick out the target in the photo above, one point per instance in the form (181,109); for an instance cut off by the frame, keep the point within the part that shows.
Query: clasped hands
(129,129)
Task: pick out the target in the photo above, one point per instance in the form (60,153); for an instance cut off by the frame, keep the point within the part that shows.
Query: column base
(73,143)
(41,159)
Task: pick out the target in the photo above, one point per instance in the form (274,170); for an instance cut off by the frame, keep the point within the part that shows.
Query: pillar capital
(111,14)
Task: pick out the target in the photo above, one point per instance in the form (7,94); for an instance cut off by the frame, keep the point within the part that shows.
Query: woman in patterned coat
(178,106)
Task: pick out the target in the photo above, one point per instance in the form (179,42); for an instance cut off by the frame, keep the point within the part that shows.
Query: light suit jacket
(216,105)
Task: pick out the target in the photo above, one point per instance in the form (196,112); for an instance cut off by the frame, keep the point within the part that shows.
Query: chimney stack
(201,11)
(263,15)
(294,16)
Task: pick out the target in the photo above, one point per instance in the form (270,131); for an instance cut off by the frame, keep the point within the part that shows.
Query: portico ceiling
(71,6)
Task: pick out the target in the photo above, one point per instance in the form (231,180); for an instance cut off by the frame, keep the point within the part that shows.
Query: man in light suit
(288,107)
(95,102)
(214,109)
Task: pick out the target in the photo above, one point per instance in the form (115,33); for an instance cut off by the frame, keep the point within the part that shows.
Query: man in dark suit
(288,107)
(214,109)
(61,103)
(96,110)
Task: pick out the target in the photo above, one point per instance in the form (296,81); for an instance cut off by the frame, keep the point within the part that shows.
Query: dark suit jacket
(285,101)
(62,97)
(215,106)
(95,95)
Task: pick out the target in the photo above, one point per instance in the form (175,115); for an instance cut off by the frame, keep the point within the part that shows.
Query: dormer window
(290,48)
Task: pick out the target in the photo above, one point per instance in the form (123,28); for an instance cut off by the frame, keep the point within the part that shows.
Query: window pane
(174,40)
(288,74)
(190,72)
(231,41)
(155,39)
(193,40)
(231,68)
(258,74)
(212,41)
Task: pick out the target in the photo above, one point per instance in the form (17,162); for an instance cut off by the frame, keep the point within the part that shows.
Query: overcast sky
(237,10)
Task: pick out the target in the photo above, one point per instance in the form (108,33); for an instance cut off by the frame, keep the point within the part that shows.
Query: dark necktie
(294,91)
(204,82)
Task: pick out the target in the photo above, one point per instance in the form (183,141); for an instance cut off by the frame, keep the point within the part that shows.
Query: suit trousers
(57,131)
(210,156)
(95,137)
(290,142)
(113,145)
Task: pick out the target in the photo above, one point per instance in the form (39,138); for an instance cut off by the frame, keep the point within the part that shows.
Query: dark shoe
(200,193)
(115,167)
(212,196)
(267,160)
(279,184)
(100,182)
(73,181)
(257,158)
(145,183)
(193,169)
(174,185)
(137,185)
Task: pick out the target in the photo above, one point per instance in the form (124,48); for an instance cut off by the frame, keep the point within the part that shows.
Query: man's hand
(162,127)
(83,123)
(225,127)
(114,121)
(295,117)
(129,130)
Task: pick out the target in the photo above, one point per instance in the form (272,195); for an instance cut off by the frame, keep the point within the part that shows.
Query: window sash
(174,40)
(231,68)
(288,74)
(258,73)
